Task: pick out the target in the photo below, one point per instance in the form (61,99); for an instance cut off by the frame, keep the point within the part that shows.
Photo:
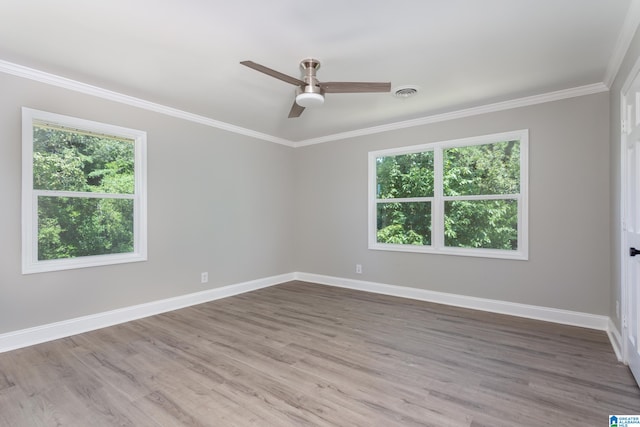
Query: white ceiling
(185,53)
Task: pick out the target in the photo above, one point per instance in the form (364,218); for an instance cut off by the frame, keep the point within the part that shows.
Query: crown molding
(65,83)
(629,28)
(468,112)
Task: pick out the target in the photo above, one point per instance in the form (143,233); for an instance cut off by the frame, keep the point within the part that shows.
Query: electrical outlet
(359,268)
(204,277)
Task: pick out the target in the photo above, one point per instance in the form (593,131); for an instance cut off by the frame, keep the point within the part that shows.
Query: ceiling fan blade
(355,87)
(273,73)
(296,110)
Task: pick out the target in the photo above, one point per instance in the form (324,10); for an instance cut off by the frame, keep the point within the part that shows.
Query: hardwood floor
(300,354)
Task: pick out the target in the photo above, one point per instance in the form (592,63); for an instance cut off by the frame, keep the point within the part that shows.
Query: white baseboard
(555,315)
(616,340)
(39,334)
(30,336)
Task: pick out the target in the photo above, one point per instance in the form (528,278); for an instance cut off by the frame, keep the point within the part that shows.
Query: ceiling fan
(310,91)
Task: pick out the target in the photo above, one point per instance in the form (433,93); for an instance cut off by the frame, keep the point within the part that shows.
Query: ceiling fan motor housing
(309,67)
(312,94)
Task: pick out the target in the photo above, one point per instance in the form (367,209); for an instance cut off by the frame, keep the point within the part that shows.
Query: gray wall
(217,202)
(569,263)
(615,137)
(246,209)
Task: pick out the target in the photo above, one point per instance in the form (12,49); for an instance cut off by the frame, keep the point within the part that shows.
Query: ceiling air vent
(405,91)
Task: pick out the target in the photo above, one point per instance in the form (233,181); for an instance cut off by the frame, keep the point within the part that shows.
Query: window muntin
(472,195)
(84,193)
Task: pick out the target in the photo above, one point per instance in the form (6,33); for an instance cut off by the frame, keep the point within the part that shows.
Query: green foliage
(482,169)
(405,175)
(486,169)
(476,170)
(61,171)
(396,234)
(491,224)
(404,223)
(75,226)
(65,160)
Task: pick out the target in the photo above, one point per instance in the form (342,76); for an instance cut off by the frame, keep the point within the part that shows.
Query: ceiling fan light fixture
(309,99)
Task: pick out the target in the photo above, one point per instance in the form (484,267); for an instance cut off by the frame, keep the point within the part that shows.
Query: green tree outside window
(480,186)
(95,173)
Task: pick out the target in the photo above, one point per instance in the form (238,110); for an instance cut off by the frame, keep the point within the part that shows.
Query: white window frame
(30,262)
(438,200)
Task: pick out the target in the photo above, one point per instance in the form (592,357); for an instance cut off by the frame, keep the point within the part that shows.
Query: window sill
(479,253)
(81,262)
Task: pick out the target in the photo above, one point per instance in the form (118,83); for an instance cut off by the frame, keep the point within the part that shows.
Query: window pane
(406,175)
(404,223)
(70,227)
(68,160)
(482,169)
(489,224)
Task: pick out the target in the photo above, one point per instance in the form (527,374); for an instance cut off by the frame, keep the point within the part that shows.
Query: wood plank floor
(300,354)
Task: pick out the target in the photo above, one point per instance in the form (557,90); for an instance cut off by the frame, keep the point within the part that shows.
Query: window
(461,197)
(83,193)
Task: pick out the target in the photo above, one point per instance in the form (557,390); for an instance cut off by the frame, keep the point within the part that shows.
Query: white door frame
(623,313)
(626,306)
